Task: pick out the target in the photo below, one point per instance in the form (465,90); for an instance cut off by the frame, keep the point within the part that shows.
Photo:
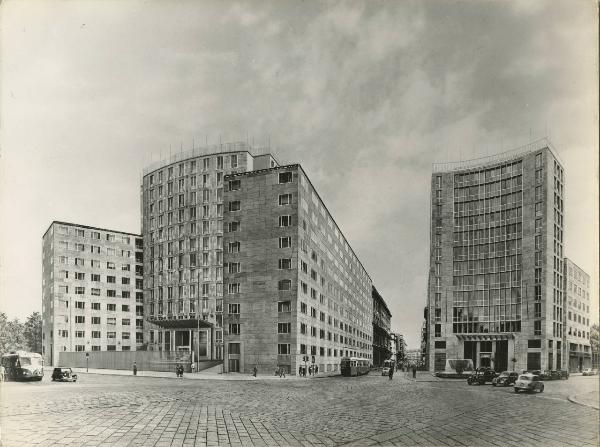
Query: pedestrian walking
(414,371)
(1,373)
(193,367)
(316,369)
(300,370)
(254,371)
(304,370)
(134,369)
(391,372)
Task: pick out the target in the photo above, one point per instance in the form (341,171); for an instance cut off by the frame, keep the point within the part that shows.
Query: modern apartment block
(92,290)
(496,282)
(294,291)
(182,227)
(577,292)
(381,330)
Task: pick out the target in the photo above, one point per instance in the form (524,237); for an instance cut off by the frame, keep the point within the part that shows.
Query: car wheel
(516,390)
(542,389)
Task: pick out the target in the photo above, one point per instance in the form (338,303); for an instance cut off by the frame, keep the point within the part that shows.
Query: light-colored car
(589,372)
(529,383)
(385,371)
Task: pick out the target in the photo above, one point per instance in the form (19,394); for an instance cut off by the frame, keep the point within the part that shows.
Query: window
(233,308)
(234,329)
(234,206)
(95,320)
(283,349)
(234,161)
(285,242)
(111,321)
(80,334)
(125,321)
(79,290)
(234,247)
(95,334)
(234,267)
(110,265)
(79,319)
(79,305)
(233,288)
(234,348)
(111,307)
(125,281)
(285,177)
(95,306)
(111,279)
(284,328)
(80,262)
(285,284)
(440,344)
(285,264)
(534,344)
(284,306)
(233,226)
(234,185)
(95,277)
(285,221)
(285,199)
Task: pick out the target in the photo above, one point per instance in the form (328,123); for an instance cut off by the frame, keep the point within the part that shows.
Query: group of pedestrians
(312,370)
(414,372)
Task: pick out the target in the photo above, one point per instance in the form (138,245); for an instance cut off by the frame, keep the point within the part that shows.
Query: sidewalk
(189,376)
(591,399)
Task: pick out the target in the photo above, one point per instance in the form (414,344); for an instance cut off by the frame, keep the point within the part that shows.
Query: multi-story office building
(496,267)
(400,347)
(577,322)
(294,291)
(92,290)
(182,227)
(381,329)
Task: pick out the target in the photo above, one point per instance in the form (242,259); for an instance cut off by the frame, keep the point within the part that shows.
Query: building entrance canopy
(485,337)
(188,323)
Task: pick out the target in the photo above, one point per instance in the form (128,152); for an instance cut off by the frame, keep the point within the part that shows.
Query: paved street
(371,410)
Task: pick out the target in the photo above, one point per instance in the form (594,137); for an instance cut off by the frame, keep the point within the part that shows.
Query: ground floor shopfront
(500,352)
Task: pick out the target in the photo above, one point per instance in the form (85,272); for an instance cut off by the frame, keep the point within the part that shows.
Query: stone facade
(294,291)
(577,319)
(495,281)
(182,226)
(382,348)
(92,281)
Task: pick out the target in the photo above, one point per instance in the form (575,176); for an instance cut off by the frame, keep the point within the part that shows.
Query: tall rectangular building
(577,292)
(495,292)
(294,291)
(182,227)
(92,290)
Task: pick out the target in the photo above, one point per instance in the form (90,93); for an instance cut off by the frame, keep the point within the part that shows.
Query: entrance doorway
(501,356)
(234,365)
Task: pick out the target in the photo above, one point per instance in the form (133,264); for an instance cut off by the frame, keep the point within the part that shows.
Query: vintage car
(506,378)
(529,383)
(481,376)
(547,375)
(63,375)
(563,374)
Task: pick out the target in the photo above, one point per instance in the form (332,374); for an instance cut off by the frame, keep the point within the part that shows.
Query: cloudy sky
(365,95)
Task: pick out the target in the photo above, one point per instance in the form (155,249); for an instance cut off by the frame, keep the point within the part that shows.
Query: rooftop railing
(497,158)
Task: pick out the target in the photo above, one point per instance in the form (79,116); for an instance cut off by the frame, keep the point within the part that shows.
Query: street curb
(574,400)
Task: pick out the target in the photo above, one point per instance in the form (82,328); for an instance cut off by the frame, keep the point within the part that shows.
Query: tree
(32,331)
(595,338)
(12,336)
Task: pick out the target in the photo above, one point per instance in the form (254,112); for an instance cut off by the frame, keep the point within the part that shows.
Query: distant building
(182,226)
(413,357)
(381,330)
(496,277)
(577,292)
(294,291)
(400,347)
(92,290)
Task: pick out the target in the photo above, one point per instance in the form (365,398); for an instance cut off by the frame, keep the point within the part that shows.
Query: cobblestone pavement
(371,410)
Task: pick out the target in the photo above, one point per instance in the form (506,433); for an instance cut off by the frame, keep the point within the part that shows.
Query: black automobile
(481,376)
(506,378)
(563,374)
(547,375)
(63,375)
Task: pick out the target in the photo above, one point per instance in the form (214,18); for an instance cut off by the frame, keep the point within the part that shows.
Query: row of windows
(578,318)
(111,307)
(80,276)
(493,218)
(488,205)
(486,175)
(110,321)
(81,348)
(109,237)
(65,245)
(95,292)
(487,190)
(95,263)
(192,165)
(95,334)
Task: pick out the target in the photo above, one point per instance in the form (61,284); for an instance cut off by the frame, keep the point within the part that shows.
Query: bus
(21,365)
(354,366)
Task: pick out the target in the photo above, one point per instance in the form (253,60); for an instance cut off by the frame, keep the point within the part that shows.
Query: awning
(485,337)
(188,323)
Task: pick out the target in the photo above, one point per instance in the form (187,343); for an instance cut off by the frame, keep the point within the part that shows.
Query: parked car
(546,375)
(506,378)
(563,374)
(481,376)
(529,383)
(555,374)
(589,372)
(385,371)
(63,375)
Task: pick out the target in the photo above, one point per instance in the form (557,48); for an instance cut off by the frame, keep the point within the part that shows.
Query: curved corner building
(495,291)
(182,227)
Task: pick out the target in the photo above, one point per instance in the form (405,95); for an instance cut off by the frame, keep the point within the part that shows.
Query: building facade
(381,330)
(577,324)
(182,227)
(92,290)
(400,347)
(294,291)
(496,292)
